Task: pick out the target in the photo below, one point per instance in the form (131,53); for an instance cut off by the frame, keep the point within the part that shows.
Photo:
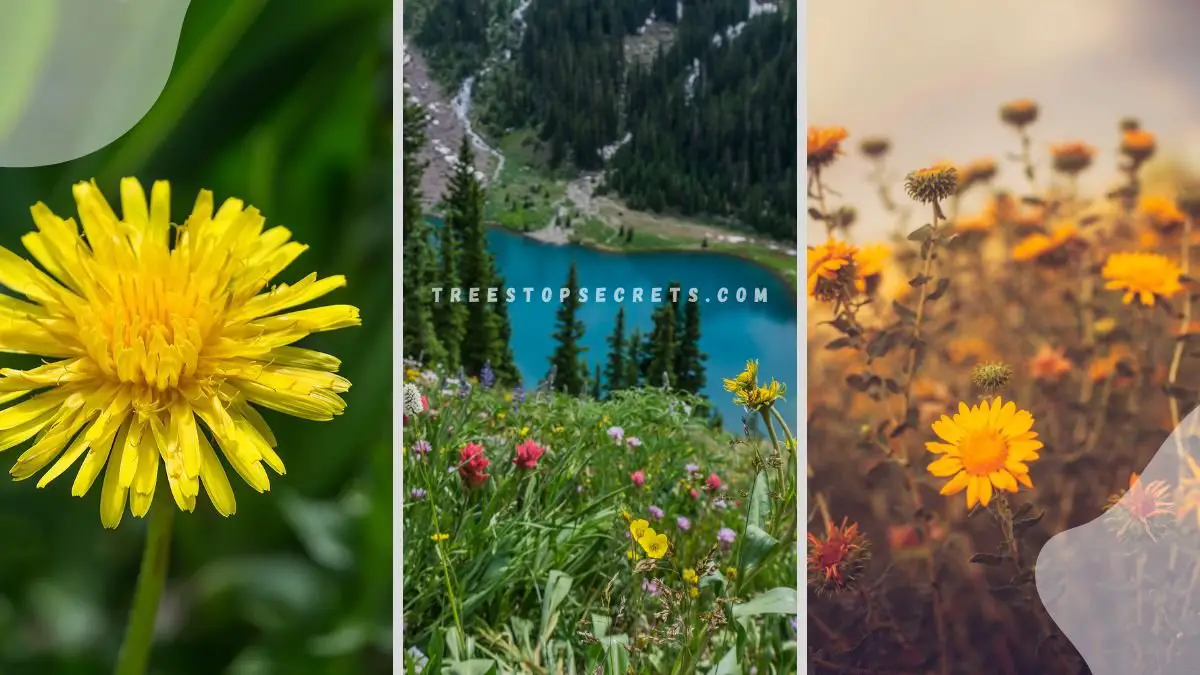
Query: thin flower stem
(1185,327)
(134,655)
(429,488)
(911,370)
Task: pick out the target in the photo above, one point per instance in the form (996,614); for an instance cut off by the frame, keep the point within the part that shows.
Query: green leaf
(471,667)
(759,502)
(558,586)
(756,544)
(779,600)
(728,665)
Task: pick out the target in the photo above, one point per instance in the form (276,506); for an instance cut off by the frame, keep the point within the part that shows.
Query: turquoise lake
(731,332)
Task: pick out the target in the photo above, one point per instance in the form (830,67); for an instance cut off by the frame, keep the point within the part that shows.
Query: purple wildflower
(691,468)
(655,512)
(421,448)
(487,376)
(616,433)
(720,504)
(651,586)
(683,523)
(726,536)
(416,494)
(633,441)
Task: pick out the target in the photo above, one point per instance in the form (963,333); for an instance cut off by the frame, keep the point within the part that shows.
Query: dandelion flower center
(983,452)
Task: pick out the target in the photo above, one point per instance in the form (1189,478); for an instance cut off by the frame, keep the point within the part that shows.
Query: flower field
(1009,366)
(545,533)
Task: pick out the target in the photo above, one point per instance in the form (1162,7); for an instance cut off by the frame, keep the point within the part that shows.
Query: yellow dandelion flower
(440,536)
(690,576)
(982,447)
(558,430)
(760,397)
(412,374)
(524,431)
(745,380)
(655,544)
(158,339)
(694,592)
(1144,276)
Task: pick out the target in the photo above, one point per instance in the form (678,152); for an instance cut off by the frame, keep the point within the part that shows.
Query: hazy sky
(931,74)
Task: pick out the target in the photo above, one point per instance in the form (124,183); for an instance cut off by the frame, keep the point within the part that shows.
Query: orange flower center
(983,452)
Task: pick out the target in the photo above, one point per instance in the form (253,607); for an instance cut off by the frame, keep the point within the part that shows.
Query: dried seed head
(991,377)
(837,560)
(932,184)
(875,146)
(1071,158)
(1138,145)
(979,171)
(1130,124)
(1019,113)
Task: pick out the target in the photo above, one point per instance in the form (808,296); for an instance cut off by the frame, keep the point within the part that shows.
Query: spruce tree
(566,358)
(464,220)
(502,354)
(596,383)
(633,361)
(662,346)
(419,339)
(616,371)
(689,360)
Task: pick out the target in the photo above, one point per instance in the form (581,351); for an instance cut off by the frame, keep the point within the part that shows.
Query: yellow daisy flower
(984,446)
(158,338)
(690,576)
(745,380)
(694,592)
(831,269)
(1144,276)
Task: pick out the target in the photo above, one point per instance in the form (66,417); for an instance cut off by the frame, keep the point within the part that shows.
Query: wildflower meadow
(998,372)
(547,533)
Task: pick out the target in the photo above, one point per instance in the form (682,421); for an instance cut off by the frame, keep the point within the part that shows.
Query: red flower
(424,402)
(528,454)
(837,559)
(713,483)
(695,493)
(638,477)
(473,465)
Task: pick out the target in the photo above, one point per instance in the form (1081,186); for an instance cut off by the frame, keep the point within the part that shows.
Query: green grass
(533,556)
(524,197)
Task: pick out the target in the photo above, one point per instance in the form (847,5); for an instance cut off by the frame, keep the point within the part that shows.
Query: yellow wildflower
(690,576)
(159,338)
(440,537)
(655,544)
(982,447)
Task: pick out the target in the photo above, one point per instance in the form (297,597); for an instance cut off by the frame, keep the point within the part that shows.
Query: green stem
(156,558)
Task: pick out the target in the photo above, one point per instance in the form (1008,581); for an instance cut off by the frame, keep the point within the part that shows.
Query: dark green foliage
(633,360)
(464,223)
(570,376)
(689,360)
(662,347)
(616,371)
(420,339)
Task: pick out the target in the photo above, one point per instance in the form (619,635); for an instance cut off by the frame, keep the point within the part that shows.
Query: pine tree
(566,358)
(689,360)
(464,220)
(633,361)
(596,383)
(616,371)
(662,347)
(502,357)
(419,339)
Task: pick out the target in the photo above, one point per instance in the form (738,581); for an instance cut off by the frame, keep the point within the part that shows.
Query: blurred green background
(286,104)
